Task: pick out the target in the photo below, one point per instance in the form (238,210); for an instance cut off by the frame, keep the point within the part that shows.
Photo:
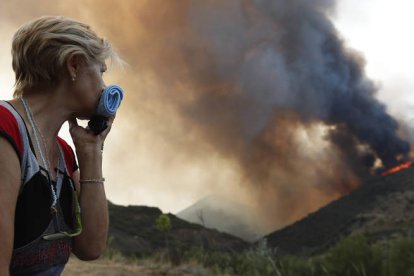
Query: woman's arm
(9,190)
(91,244)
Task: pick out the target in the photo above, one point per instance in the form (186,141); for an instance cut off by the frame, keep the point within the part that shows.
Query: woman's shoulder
(6,112)
(9,126)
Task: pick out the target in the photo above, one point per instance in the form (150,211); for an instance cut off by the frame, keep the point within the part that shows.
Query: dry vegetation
(121,266)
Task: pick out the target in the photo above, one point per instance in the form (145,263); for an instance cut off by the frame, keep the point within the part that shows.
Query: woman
(58,64)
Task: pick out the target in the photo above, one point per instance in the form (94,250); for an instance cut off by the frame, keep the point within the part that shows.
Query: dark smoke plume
(287,56)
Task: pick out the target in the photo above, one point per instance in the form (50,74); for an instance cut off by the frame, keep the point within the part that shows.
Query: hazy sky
(155,172)
(380,29)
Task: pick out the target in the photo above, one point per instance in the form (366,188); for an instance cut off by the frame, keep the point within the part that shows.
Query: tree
(163,224)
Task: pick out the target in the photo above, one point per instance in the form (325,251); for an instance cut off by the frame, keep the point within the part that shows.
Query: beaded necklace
(44,158)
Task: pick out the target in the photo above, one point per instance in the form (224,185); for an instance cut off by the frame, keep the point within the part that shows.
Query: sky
(380,30)
(153,158)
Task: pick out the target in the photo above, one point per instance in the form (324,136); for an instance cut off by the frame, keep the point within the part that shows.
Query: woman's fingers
(109,122)
(85,134)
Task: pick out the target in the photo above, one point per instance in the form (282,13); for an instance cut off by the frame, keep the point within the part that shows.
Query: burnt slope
(381,207)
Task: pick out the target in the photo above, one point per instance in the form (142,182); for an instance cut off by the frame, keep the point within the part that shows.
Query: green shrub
(401,260)
(296,266)
(351,256)
(354,256)
(258,261)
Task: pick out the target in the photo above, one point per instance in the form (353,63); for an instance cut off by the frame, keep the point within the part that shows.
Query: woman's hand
(85,140)
(92,199)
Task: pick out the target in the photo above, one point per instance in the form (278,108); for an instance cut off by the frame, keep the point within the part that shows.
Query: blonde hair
(41,47)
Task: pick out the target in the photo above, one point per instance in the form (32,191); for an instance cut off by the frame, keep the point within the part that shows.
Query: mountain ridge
(364,211)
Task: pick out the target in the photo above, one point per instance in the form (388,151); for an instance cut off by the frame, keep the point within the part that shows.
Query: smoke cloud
(258,100)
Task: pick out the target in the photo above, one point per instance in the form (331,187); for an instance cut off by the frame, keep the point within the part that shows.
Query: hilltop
(229,216)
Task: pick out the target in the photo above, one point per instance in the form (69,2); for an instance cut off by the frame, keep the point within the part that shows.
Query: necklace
(43,157)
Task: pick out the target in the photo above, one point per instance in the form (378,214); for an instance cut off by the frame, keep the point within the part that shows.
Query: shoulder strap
(9,128)
(18,132)
(69,156)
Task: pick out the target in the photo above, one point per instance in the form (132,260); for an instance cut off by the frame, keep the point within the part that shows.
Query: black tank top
(33,218)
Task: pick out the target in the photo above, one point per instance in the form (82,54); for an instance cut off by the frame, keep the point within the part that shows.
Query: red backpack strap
(14,130)
(9,129)
(70,159)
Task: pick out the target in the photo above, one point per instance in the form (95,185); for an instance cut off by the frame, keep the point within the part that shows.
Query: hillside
(225,215)
(381,208)
(132,232)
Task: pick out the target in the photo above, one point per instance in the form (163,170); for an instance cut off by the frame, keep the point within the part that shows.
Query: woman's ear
(73,65)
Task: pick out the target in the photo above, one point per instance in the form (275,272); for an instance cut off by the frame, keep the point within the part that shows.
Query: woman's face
(87,88)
